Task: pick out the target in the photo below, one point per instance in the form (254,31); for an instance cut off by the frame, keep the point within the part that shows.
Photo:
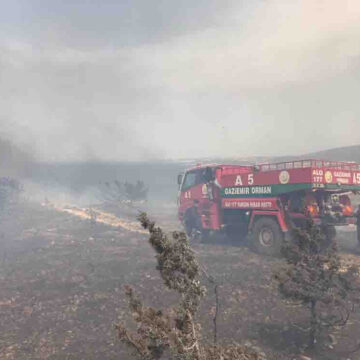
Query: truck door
(197,205)
(191,189)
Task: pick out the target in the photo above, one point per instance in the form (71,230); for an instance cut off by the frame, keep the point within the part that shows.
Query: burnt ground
(61,290)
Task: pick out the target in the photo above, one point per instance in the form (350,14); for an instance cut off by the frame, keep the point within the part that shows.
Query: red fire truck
(261,202)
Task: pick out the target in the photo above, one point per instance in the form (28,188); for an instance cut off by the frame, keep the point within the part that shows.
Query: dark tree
(136,192)
(175,333)
(117,192)
(316,279)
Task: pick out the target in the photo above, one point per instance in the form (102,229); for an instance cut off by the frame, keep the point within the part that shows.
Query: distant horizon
(165,160)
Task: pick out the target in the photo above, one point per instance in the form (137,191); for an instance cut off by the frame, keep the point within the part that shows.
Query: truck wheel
(267,237)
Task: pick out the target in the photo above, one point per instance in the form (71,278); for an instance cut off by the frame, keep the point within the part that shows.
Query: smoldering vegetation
(67,252)
(85,177)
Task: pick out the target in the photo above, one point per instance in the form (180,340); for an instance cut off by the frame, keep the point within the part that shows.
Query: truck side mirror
(179,179)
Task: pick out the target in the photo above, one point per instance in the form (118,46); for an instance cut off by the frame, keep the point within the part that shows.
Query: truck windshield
(190,180)
(195,177)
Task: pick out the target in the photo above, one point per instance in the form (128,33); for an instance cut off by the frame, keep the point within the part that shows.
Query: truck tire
(266,237)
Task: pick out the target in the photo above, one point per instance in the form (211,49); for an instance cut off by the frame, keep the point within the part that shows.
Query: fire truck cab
(262,202)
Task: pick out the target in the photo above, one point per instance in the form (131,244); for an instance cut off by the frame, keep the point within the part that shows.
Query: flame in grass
(100,217)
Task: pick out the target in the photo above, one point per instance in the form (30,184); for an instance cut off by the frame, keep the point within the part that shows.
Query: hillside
(348,153)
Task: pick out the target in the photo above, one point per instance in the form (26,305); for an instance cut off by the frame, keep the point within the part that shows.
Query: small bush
(118,192)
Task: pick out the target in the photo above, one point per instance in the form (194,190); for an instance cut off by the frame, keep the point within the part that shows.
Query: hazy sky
(140,79)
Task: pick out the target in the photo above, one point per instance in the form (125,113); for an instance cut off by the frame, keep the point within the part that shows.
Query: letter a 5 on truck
(262,202)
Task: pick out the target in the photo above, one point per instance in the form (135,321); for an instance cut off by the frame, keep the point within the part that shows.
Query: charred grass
(61,291)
